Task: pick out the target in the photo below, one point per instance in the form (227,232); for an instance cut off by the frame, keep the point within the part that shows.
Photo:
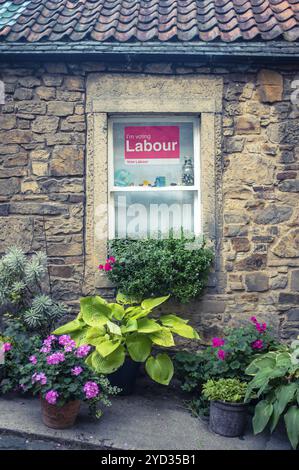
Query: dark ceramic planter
(125,377)
(228,419)
(60,417)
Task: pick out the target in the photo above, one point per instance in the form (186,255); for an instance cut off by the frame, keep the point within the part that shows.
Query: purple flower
(33,360)
(91,390)
(7,347)
(39,377)
(51,397)
(217,342)
(67,342)
(253,319)
(55,358)
(76,370)
(45,349)
(258,344)
(221,354)
(83,350)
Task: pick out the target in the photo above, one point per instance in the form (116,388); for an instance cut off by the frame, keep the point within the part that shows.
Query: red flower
(221,354)
(258,344)
(217,342)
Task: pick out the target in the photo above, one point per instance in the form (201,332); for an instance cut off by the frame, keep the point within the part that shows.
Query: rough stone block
(295,280)
(67,161)
(270,86)
(287,298)
(256,282)
(247,125)
(273,214)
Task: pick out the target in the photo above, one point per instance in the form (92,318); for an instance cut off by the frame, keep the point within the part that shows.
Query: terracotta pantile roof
(148,20)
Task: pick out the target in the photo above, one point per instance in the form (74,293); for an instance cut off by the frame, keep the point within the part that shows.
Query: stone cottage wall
(42,183)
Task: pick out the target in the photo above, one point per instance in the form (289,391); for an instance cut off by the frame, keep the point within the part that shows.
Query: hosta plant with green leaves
(276,382)
(126,328)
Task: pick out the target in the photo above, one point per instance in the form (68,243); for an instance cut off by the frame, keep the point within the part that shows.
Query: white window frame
(196,188)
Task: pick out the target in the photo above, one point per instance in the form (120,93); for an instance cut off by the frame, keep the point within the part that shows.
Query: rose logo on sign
(152,144)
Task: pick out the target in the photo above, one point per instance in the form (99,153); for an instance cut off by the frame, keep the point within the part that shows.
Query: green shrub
(228,390)
(158,267)
(276,382)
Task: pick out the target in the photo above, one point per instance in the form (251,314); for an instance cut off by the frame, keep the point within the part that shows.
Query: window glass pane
(152,152)
(144,214)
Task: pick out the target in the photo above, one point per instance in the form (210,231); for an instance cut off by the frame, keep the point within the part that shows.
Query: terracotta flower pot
(60,417)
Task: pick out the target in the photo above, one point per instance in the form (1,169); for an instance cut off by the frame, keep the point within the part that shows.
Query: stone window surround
(120,94)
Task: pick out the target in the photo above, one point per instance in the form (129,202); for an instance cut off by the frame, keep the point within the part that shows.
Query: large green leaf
(137,312)
(149,304)
(162,338)
(262,414)
(95,311)
(172,320)
(185,330)
(95,334)
(79,336)
(160,368)
(109,364)
(285,394)
(291,419)
(139,347)
(107,346)
(113,328)
(283,360)
(74,325)
(130,326)
(118,311)
(266,361)
(146,325)
(275,416)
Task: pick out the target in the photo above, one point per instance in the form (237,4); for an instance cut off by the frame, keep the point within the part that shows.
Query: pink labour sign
(152,142)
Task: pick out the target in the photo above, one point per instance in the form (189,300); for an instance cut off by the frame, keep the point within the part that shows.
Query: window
(154,175)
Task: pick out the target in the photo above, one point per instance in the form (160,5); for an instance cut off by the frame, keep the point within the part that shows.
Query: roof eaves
(274,49)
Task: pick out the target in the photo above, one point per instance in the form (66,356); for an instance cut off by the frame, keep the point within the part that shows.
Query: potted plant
(228,413)
(125,331)
(276,384)
(58,373)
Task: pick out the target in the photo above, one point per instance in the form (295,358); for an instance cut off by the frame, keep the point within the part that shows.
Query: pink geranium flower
(76,370)
(101,267)
(52,397)
(33,360)
(107,267)
(83,350)
(221,354)
(91,390)
(7,347)
(258,344)
(217,342)
(111,260)
(55,358)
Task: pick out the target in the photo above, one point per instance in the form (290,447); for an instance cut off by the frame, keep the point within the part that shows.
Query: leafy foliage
(228,390)
(158,267)
(22,294)
(17,359)
(125,328)
(237,347)
(276,382)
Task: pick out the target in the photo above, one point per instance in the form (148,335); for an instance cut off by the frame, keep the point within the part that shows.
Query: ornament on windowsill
(188,172)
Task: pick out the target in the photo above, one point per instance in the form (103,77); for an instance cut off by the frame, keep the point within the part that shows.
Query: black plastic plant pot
(228,419)
(125,377)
